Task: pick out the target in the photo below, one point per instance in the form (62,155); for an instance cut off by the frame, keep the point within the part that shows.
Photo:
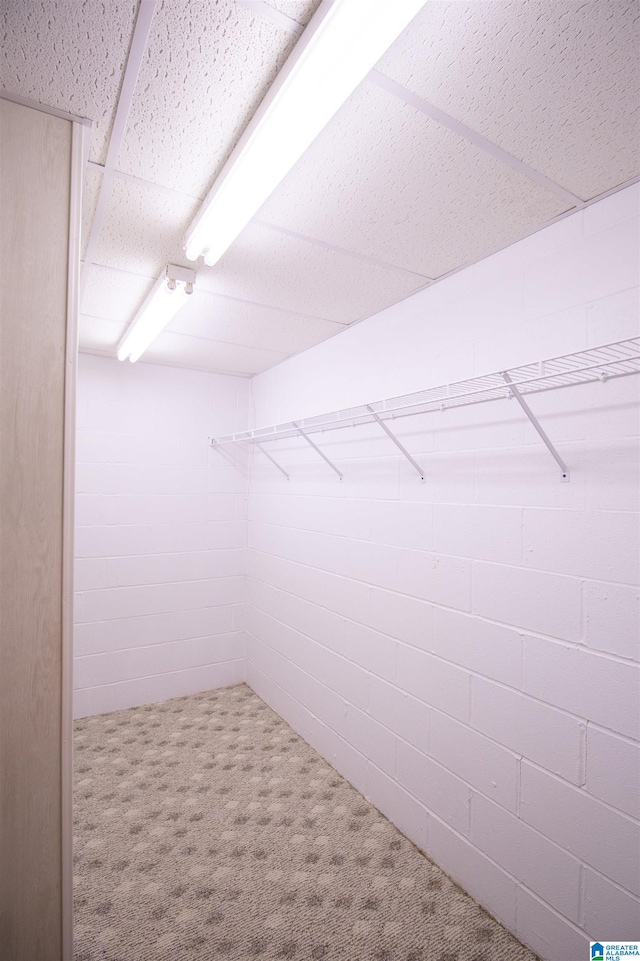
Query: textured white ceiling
(90,193)
(115,294)
(208,315)
(405,190)
(299,10)
(143,228)
(203,354)
(554,82)
(305,277)
(101,335)
(68,55)
(207,67)
(542,101)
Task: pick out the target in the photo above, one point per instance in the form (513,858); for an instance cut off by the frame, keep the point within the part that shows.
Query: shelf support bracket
(395,440)
(554,453)
(269,457)
(225,456)
(316,449)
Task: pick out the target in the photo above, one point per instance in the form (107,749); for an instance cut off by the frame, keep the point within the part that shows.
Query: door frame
(79,152)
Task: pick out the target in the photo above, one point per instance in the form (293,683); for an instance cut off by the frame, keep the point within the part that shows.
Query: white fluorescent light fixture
(342,43)
(167,296)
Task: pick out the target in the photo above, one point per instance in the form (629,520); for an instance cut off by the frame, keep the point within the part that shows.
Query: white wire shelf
(597,363)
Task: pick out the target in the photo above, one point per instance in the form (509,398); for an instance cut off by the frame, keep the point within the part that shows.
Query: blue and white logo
(614,950)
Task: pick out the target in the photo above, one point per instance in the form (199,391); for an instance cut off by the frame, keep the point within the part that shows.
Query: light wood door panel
(35,165)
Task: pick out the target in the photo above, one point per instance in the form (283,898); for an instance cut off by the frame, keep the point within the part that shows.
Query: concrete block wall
(160,534)
(465,650)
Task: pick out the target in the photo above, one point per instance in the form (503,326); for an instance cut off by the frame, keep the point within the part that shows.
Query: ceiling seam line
(282,310)
(472,136)
(96,352)
(120,174)
(340,250)
(228,343)
(261,9)
(125,98)
(283,354)
(214,293)
(131,178)
(249,303)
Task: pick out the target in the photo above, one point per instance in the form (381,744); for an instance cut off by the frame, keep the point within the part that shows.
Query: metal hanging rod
(608,361)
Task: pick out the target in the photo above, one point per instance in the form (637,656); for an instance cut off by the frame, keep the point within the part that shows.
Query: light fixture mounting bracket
(185,275)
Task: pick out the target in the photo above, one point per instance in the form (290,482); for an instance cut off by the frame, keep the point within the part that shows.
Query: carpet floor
(206,828)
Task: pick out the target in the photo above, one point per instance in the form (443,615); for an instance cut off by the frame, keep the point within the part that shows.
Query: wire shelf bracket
(592,365)
(565,477)
(316,449)
(273,461)
(395,440)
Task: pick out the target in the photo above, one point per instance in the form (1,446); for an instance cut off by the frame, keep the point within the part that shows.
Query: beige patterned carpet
(205,828)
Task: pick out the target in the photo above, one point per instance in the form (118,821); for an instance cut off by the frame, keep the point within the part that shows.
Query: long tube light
(341,44)
(167,296)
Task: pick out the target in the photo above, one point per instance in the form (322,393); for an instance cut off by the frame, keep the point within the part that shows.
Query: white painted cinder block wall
(160,535)
(465,650)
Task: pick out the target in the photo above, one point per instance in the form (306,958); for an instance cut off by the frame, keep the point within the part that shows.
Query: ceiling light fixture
(167,296)
(343,41)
